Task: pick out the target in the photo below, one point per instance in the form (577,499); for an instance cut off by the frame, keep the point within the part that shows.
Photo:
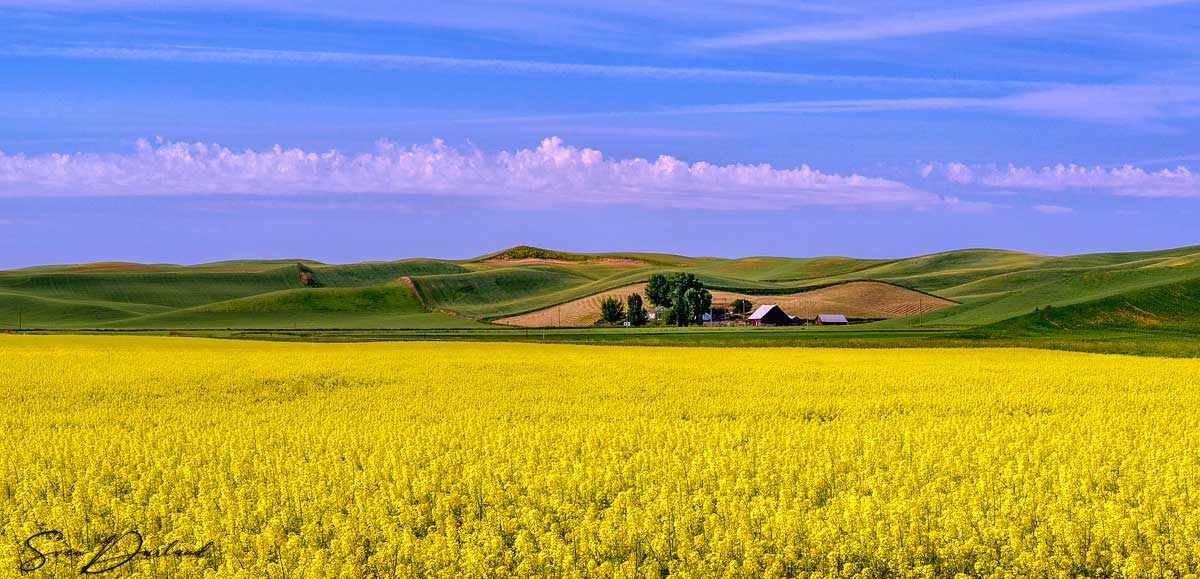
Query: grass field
(522,460)
(379,306)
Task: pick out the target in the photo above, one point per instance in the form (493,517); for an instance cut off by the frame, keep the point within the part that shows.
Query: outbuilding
(769,315)
(831,320)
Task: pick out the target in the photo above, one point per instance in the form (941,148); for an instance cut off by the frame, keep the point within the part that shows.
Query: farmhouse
(770,315)
(830,320)
(656,313)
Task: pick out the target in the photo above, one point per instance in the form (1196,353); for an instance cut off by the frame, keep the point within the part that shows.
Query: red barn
(770,315)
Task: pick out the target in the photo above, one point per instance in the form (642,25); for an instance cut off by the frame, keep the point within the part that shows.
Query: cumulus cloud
(553,173)
(1053,209)
(1125,180)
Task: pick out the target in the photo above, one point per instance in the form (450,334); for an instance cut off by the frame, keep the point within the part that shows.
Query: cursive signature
(111,553)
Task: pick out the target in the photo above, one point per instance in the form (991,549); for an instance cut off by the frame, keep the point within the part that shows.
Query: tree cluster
(612,311)
(683,294)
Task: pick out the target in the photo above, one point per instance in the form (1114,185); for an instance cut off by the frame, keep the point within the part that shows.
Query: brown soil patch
(413,287)
(860,299)
(580,312)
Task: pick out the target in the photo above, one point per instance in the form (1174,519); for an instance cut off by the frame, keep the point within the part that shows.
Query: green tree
(703,303)
(680,284)
(741,306)
(635,313)
(692,305)
(611,310)
(670,317)
(658,290)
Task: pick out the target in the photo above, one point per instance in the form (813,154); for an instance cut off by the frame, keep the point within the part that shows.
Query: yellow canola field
(512,460)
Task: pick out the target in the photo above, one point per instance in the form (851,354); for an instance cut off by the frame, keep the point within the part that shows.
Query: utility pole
(921,311)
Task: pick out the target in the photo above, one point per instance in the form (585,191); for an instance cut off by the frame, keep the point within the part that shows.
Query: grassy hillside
(373,273)
(394,306)
(785,269)
(483,293)
(992,286)
(174,289)
(31,311)
(1168,307)
(1081,287)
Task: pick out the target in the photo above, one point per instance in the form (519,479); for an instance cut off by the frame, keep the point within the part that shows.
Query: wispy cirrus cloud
(1053,209)
(540,17)
(552,174)
(257,56)
(1103,103)
(958,205)
(1171,159)
(1126,180)
(901,24)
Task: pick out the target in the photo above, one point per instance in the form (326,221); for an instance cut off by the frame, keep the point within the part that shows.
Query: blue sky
(186,131)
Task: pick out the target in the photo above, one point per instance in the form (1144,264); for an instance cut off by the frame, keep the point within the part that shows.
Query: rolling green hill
(171,289)
(991,285)
(374,273)
(1171,307)
(390,306)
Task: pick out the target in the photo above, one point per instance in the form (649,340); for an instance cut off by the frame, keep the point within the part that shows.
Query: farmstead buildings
(773,315)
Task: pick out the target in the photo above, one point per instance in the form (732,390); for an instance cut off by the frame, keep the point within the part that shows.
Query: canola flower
(515,460)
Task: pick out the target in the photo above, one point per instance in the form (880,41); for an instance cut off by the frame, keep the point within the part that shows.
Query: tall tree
(635,313)
(680,284)
(692,305)
(658,290)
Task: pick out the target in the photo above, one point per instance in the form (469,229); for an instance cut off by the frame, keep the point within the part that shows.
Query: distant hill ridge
(986,286)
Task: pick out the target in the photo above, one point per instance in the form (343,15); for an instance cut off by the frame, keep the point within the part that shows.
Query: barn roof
(762,311)
(832,319)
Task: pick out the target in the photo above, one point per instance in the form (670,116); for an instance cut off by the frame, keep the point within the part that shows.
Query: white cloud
(1053,209)
(963,206)
(904,23)
(1125,180)
(551,174)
